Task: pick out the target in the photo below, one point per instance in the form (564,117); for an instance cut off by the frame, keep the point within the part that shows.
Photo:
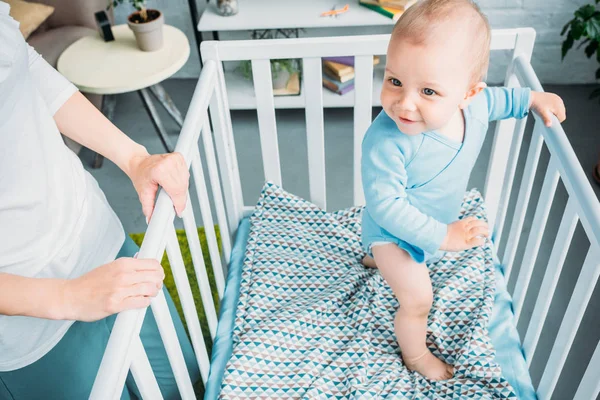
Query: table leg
(149,105)
(161,95)
(109,102)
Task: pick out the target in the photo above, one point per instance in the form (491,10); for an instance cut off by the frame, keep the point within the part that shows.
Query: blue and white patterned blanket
(313,322)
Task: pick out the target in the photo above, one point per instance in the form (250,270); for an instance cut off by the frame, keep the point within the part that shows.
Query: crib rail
(583,206)
(125,352)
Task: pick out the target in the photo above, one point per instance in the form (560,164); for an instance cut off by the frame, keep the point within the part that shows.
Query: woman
(64,257)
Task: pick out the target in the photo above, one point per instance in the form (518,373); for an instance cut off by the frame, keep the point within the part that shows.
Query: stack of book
(390,8)
(338,73)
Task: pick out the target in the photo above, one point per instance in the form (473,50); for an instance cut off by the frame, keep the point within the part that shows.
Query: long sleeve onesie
(414,184)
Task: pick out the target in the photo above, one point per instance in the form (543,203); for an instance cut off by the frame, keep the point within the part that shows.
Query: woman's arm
(80,120)
(122,284)
(31,297)
(77,118)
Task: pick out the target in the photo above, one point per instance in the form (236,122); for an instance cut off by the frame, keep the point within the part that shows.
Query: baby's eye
(395,82)
(428,92)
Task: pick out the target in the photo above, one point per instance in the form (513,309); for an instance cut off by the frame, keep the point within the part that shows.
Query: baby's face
(424,85)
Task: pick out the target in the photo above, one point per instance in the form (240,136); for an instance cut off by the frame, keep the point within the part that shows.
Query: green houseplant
(145,23)
(281,70)
(585,26)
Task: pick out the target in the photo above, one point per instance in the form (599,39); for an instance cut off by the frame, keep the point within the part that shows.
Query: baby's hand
(547,104)
(465,234)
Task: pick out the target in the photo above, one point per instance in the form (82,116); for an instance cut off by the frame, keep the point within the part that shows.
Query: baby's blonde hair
(418,25)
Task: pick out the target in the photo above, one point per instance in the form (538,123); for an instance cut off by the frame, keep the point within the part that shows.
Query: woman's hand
(465,234)
(169,170)
(123,284)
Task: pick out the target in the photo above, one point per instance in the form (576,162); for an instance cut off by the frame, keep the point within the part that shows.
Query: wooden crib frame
(125,352)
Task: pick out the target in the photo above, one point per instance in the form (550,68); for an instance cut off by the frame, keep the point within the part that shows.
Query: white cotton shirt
(55,221)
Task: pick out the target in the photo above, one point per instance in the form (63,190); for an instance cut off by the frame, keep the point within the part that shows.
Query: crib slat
(191,233)
(499,156)
(117,359)
(313,89)
(141,370)
(265,108)
(584,288)
(171,343)
(187,301)
(363,104)
(509,178)
(502,144)
(574,178)
(589,387)
(535,236)
(533,157)
(551,276)
(227,157)
(209,226)
(215,184)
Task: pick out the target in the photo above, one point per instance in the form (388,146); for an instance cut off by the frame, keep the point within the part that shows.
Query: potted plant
(281,71)
(145,23)
(585,25)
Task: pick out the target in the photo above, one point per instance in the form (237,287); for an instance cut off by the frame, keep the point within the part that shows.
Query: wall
(547,17)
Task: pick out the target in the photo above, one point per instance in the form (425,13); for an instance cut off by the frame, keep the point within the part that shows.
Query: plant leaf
(567,44)
(586,11)
(567,25)
(583,42)
(577,29)
(598,73)
(591,48)
(592,28)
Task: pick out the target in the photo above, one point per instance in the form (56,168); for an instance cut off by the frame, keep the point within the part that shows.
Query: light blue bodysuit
(414,185)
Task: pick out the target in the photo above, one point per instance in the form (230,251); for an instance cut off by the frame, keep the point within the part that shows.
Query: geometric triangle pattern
(313,323)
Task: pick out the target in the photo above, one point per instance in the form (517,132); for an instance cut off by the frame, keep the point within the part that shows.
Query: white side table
(111,68)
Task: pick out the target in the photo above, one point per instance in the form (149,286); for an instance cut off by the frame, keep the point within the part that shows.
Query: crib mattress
(502,330)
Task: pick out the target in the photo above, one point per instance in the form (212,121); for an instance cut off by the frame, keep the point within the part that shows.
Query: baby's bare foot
(430,367)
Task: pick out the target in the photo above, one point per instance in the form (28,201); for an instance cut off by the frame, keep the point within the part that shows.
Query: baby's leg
(412,286)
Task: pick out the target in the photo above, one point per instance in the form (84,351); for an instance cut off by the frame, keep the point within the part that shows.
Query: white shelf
(276,14)
(281,14)
(240,93)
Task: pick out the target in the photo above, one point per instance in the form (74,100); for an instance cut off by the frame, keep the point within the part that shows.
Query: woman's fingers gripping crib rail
(148,172)
(123,284)
(465,234)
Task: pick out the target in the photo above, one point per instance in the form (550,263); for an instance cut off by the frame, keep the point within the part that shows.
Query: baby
(419,152)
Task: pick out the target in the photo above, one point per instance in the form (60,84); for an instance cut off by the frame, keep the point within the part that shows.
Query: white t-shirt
(55,221)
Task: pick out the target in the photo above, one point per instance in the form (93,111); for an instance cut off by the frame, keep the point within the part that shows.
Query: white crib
(125,352)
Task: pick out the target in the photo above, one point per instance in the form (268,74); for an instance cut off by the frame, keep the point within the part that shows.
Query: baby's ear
(471,93)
